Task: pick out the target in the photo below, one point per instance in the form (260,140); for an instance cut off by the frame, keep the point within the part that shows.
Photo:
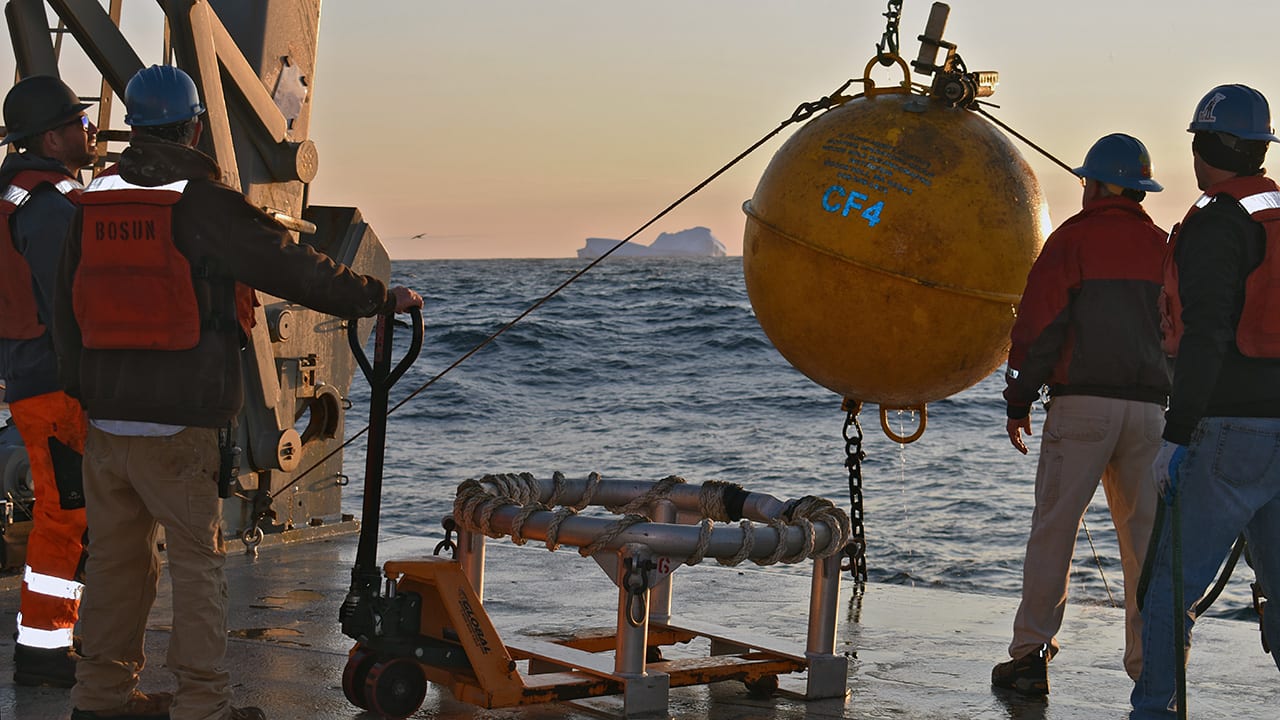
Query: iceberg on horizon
(694,242)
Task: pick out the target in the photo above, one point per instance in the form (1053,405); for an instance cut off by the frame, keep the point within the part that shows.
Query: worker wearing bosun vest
(1220,460)
(46,121)
(148,341)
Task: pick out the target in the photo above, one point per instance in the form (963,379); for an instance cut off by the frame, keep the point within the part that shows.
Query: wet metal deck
(916,653)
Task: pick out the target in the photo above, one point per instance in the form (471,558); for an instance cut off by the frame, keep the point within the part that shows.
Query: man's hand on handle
(405,298)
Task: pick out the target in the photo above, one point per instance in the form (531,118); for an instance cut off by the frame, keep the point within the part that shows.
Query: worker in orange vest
(45,120)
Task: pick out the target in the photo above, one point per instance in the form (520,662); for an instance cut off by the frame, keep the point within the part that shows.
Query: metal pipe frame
(660,595)
(759,507)
(662,538)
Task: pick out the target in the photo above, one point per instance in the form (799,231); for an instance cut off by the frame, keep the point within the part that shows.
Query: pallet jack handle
(381,376)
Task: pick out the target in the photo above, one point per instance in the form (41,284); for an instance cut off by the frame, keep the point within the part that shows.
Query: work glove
(1165,469)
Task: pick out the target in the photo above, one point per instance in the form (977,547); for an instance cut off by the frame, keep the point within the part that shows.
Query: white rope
(611,533)
(711,500)
(477,500)
(780,548)
(748,543)
(661,490)
(815,509)
(704,542)
(517,525)
(593,484)
(557,488)
(553,528)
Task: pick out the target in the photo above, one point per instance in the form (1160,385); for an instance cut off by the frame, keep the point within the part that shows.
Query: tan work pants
(133,485)
(1086,439)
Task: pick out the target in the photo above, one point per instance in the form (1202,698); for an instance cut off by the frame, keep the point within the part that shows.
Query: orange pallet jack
(424,620)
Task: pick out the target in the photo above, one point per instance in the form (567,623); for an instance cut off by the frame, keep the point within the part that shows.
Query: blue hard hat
(160,95)
(1237,110)
(1119,159)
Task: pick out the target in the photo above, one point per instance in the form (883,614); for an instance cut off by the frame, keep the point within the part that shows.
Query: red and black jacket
(1089,322)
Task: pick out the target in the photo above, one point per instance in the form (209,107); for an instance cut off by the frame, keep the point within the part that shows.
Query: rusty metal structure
(254,64)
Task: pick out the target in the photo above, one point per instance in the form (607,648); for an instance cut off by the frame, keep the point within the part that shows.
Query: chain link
(856,550)
(887,48)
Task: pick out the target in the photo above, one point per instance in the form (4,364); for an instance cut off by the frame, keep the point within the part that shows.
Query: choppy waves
(645,368)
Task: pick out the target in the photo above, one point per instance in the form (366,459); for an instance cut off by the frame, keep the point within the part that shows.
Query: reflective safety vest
(133,289)
(1258,332)
(19,318)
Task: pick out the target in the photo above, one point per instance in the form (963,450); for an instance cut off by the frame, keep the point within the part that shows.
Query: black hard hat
(36,104)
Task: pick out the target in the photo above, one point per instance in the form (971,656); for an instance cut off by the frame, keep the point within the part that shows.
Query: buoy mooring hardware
(887,245)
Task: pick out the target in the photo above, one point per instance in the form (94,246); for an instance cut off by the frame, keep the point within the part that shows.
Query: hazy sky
(517,128)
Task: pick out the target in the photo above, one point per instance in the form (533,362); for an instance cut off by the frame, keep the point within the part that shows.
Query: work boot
(140,706)
(247,713)
(48,667)
(1028,675)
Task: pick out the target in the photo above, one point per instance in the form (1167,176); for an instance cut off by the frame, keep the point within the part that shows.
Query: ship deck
(914,652)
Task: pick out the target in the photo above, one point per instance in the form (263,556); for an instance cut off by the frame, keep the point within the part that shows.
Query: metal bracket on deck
(626,660)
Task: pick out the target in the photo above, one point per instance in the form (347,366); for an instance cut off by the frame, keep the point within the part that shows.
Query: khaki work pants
(134,485)
(1086,439)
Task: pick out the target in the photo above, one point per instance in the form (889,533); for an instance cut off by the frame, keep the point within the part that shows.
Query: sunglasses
(83,121)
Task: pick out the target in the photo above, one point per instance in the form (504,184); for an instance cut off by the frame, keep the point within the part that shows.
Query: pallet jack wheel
(359,662)
(762,687)
(396,688)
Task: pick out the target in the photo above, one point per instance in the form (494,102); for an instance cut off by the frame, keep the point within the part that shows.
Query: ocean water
(644,368)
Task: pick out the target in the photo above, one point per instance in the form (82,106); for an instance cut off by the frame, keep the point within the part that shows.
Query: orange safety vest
(1258,332)
(133,289)
(19,318)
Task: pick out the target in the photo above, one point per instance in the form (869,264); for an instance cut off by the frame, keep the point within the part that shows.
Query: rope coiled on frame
(477,500)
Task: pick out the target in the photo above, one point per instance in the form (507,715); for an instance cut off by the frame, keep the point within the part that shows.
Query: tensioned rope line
(978,109)
(1098,560)
(803,112)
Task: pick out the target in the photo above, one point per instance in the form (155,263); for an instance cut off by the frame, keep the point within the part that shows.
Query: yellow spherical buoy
(887,245)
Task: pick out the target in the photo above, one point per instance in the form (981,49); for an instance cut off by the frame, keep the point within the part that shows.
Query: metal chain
(887,48)
(856,550)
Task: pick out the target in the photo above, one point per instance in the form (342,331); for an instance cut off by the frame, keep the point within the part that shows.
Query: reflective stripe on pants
(50,593)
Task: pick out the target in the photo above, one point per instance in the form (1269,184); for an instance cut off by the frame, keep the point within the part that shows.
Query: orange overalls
(52,423)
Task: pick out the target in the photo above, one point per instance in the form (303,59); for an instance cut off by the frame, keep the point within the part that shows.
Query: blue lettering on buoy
(853,201)
(828,206)
(872,214)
